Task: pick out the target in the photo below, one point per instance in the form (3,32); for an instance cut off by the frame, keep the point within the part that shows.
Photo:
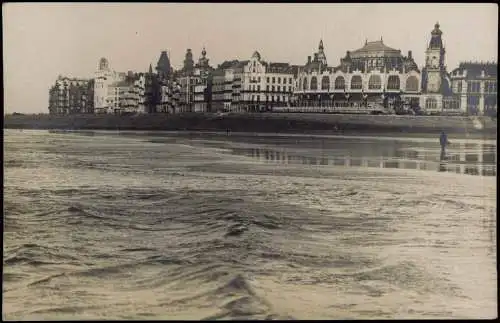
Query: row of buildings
(374,74)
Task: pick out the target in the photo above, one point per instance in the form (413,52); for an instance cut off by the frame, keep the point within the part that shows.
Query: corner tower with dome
(436,89)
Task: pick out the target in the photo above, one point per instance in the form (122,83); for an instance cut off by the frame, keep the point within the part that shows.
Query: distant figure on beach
(443,140)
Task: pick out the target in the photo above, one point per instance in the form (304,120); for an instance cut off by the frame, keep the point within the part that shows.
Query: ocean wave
(38,255)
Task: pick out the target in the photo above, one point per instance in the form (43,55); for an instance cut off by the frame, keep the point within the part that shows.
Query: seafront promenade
(308,123)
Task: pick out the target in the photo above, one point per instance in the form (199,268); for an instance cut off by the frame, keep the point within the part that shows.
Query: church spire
(320,47)
(150,69)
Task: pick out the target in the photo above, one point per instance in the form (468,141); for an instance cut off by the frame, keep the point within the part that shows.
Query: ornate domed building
(373,73)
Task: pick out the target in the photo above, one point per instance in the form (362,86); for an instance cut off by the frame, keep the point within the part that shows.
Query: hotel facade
(71,96)
(475,86)
(252,85)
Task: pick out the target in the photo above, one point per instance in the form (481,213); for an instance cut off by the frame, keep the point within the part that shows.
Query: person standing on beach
(443,140)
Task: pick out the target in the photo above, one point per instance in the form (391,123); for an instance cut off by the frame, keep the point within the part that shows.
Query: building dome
(103,64)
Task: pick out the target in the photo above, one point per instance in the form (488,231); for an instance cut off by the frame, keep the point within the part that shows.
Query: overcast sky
(41,41)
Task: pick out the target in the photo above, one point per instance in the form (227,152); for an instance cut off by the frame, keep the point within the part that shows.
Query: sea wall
(260,122)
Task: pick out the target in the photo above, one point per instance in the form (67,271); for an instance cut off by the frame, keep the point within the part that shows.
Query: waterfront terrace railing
(354,109)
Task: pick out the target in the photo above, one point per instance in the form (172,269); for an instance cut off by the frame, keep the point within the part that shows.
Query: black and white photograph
(249,161)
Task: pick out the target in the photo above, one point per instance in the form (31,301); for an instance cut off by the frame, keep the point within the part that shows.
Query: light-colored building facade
(475,85)
(266,84)
(106,89)
(374,73)
(252,85)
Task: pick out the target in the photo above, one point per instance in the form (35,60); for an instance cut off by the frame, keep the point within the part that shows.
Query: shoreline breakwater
(306,123)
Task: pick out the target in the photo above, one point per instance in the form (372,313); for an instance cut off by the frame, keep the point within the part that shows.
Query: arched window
(375,82)
(314,83)
(305,84)
(412,84)
(356,82)
(325,83)
(339,83)
(300,83)
(431,104)
(393,82)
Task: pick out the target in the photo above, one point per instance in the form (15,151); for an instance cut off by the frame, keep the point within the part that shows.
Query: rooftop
(375,47)
(474,69)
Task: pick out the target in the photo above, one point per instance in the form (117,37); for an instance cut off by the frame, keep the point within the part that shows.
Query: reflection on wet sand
(463,158)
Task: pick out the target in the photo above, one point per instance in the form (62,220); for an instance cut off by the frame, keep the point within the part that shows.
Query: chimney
(409,54)
(308,59)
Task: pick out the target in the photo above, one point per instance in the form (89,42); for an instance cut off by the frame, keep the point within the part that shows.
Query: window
(258,79)
(356,82)
(393,82)
(459,86)
(325,83)
(267,88)
(290,88)
(278,98)
(272,88)
(300,84)
(412,84)
(339,83)
(374,82)
(258,88)
(473,87)
(284,98)
(490,87)
(473,100)
(279,88)
(267,79)
(279,80)
(314,83)
(274,80)
(304,84)
(431,104)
